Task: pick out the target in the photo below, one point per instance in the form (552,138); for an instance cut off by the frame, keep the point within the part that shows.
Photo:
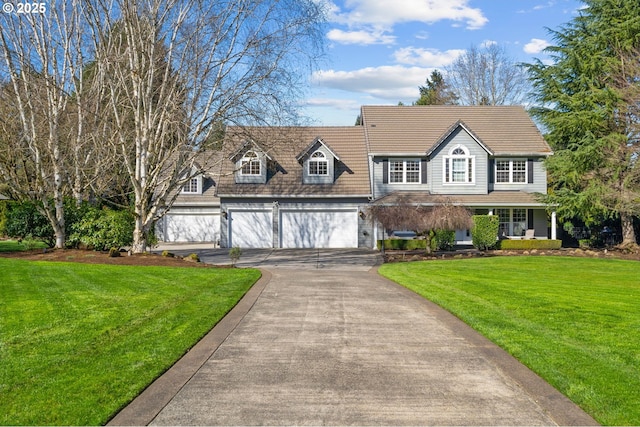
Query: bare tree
(173,70)
(487,76)
(41,62)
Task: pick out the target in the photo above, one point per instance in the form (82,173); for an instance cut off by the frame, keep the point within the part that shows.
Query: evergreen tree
(588,101)
(436,92)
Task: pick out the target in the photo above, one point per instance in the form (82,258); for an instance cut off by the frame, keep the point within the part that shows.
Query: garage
(319,228)
(251,229)
(191,228)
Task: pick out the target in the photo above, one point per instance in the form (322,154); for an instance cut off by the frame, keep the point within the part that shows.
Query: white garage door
(192,228)
(251,229)
(319,229)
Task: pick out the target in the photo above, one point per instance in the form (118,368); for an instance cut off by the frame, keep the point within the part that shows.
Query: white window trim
(322,159)
(511,223)
(511,182)
(198,185)
(404,171)
(448,180)
(246,158)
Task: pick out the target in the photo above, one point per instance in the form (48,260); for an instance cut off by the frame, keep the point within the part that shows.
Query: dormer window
(193,186)
(459,166)
(250,164)
(318,164)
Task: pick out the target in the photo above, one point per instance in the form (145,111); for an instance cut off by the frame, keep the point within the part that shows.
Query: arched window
(250,164)
(459,166)
(318,164)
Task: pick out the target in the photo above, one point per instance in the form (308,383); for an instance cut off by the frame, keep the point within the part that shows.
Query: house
(309,187)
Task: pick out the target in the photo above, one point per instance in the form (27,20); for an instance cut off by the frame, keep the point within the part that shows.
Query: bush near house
(529,244)
(103,228)
(402,244)
(485,231)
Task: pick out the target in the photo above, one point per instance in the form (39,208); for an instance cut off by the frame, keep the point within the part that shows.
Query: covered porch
(521,215)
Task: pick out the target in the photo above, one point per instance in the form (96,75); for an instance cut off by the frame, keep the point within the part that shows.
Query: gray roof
(494,199)
(284,146)
(504,130)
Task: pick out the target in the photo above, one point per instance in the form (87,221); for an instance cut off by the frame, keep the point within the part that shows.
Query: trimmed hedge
(485,231)
(529,244)
(403,245)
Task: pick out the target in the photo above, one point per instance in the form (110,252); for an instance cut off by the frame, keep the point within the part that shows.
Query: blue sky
(380,51)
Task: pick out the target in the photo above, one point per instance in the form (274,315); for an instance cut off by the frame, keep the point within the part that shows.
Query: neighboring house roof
(494,199)
(284,145)
(417,130)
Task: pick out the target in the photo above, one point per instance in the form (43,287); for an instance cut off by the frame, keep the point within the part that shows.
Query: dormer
(250,165)
(318,163)
(193,186)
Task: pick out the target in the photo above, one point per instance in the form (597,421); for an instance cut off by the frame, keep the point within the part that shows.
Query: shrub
(4,207)
(168,254)
(235,253)
(444,240)
(104,228)
(530,244)
(485,231)
(114,252)
(24,219)
(403,245)
(192,257)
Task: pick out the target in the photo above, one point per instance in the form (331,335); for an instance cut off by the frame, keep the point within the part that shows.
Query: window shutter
(492,170)
(385,171)
(530,219)
(423,170)
(530,171)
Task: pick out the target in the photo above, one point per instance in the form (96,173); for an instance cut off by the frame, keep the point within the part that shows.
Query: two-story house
(309,187)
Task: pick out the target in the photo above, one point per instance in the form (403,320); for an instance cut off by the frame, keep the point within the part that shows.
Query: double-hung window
(459,166)
(318,164)
(404,171)
(511,171)
(250,164)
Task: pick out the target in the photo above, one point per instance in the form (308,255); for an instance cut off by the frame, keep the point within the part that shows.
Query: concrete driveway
(330,346)
(334,259)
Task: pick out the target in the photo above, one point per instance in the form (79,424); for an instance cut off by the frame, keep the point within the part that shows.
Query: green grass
(574,321)
(14,246)
(79,341)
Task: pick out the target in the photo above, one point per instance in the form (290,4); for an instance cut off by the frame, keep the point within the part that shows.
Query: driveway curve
(346,347)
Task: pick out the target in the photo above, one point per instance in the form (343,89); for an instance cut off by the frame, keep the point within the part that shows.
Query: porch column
(554,234)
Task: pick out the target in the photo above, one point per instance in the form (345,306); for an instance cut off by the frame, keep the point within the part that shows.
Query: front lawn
(15,246)
(79,341)
(574,321)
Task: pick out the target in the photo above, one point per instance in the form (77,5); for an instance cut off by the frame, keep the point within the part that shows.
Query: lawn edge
(147,405)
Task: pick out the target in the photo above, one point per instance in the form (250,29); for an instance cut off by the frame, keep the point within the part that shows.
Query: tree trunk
(139,244)
(628,233)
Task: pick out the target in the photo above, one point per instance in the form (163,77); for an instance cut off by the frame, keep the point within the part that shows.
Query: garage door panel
(251,229)
(319,229)
(192,228)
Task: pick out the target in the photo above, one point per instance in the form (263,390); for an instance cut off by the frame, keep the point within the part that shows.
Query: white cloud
(535,46)
(360,37)
(426,57)
(390,12)
(393,83)
(488,43)
(334,103)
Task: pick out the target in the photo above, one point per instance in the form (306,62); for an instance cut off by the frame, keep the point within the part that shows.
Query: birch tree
(41,55)
(173,70)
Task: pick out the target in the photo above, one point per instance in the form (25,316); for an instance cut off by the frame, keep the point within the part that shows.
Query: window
(513,222)
(250,164)
(511,171)
(404,171)
(459,166)
(318,164)
(191,186)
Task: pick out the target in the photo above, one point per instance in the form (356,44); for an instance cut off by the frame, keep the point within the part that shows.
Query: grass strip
(574,321)
(80,341)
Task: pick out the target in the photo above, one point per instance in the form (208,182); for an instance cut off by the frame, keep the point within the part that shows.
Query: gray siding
(380,188)
(539,184)
(436,166)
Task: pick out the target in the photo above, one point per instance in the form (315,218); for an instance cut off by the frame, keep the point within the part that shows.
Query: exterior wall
(539,184)
(319,179)
(380,188)
(365,229)
(436,166)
